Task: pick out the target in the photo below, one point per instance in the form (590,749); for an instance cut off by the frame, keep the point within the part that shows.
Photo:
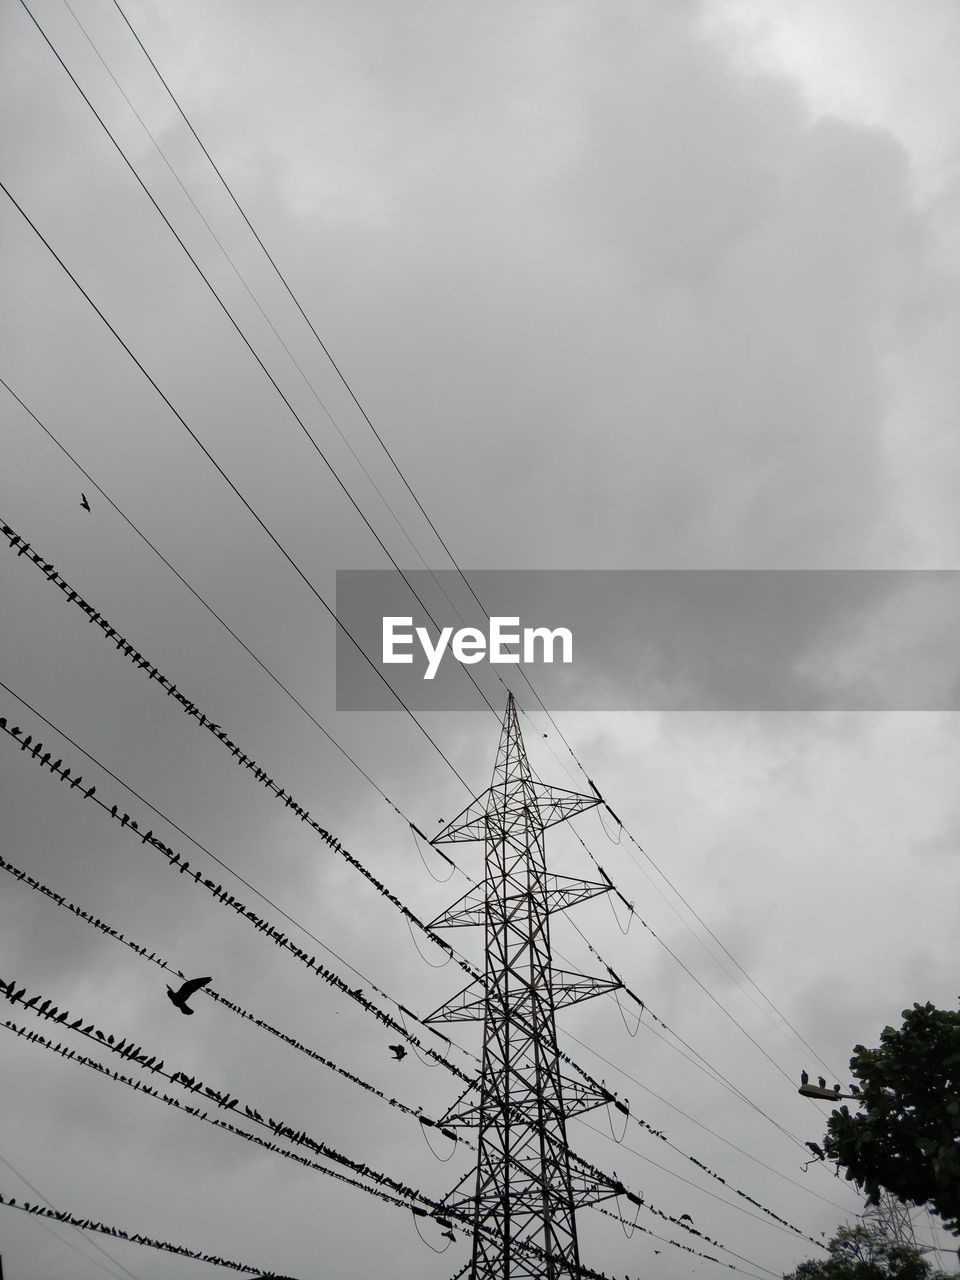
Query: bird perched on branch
(821,1082)
(804,1078)
(398,1050)
(180,998)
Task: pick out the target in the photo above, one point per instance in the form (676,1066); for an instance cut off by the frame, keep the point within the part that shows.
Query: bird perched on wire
(398,1050)
(804,1078)
(180,998)
(84,503)
(821,1082)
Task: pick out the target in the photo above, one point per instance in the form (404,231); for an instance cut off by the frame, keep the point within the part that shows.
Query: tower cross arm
(556,804)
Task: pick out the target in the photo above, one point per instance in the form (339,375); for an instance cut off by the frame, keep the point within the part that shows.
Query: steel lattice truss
(526,1193)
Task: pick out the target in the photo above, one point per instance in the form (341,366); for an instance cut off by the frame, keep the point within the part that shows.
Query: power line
(772,1219)
(240,277)
(209,608)
(141,951)
(346,491)
(249,346)
(148,1091)
(69,1243)
(673,1107)
(385,1187)
(190,708)
(49,570)
(109,931)
(138,659)
(276,542)
(449,553)
(181,865)
(154,841)
(118,1233)
(132,1053)
(174,860)
(35,558)
(283,280)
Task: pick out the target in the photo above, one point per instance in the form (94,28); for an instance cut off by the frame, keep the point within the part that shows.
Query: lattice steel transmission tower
(893,1219)
(528,1186)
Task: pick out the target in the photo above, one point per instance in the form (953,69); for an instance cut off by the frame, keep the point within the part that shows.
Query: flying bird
(398,1050)
(84,503)
(684,1215)
(180,998)
(804,1078)
(821,1082)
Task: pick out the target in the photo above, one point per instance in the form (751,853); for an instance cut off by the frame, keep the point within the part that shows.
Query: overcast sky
(663,285)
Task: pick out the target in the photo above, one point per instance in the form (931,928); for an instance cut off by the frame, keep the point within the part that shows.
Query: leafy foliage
(906,1137)
(859,1253)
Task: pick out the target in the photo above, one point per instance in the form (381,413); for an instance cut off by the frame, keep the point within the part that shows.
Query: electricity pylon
(892,1219)
(527,1186)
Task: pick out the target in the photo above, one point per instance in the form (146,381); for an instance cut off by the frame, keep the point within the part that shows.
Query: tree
(906,1137)
(863,1253)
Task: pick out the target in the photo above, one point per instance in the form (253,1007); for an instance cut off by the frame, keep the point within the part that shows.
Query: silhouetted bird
(855,1090)
(84,503)
(836,1088)
(398,1050)
(684,1215)
(180,998)
(804,1078)
(821,1082)
(814,1147)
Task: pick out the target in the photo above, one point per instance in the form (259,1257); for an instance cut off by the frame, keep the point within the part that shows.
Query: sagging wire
(417,1213)
(636,1030)
(456,1140)
(636,1218)
(440,1062)
(603,827)
(442,964)
(439,879)
(624,1109)
(630,915)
